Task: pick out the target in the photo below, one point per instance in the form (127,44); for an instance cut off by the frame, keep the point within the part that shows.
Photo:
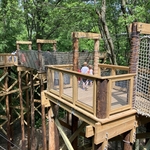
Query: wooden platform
(106,107)
(118,99)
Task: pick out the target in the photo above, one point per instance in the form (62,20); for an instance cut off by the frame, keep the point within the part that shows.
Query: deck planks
(118,98)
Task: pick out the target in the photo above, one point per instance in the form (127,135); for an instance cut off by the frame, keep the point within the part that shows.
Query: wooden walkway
(118,98)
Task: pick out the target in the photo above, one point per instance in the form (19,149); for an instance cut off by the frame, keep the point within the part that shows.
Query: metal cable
(2,148)
(9,142)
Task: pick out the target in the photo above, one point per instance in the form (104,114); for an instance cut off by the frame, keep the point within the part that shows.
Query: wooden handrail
(55,68)
(8,59)
(114,66)
(74,75)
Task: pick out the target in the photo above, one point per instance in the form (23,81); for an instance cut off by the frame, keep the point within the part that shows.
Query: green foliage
(38,122)
(10,25)
(49,19)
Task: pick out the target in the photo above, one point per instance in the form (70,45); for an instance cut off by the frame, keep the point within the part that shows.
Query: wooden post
(40,60)
(75,53)
(53,131)
(135,40)
(96,56)
(127,144)
(33,142)
(101,99)
(39,56)
(44,128)
(10,109)
(54,47)
(75,68)
(17,46)
(39,46)
(30,47)
(28,112)
(147,126)
(43,117)
(7,111)
(21,110)
(101,106)
(74,128)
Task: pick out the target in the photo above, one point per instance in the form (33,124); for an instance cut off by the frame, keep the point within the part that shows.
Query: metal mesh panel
(38,59)
(142,102)
(28,58)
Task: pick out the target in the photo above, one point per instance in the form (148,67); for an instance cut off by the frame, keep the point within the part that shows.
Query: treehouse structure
(112,109)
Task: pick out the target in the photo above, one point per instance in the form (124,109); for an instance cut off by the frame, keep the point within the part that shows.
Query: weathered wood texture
(29,43)
(135,42)
(101,99)
(87,35)
(43,113)
(96,57)
(23,42)
(75,52)
(93,36)
(143,28)
(8,111)
(42,41)
(74,128)
(53,131)
(127,144)
(28,111)
(33,138)
(21,111)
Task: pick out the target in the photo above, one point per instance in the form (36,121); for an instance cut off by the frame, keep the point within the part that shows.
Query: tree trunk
(105,32)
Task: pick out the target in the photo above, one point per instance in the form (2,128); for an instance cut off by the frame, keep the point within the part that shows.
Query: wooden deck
(118,98)
(106,107)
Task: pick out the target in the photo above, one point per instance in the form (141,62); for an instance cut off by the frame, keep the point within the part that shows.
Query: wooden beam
(75,134)
(117,77)
(64,124)
(80,113)
(66,140)
(143,135)
(42,41)
(53,143)
(114,67)
(113,128)
(21,68)
(44,101)
(3,117)
(89,131)
(86,35)
(23,42)
(143,28)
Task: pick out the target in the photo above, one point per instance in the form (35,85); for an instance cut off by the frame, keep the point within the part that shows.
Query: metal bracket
(72,111)
(58,103)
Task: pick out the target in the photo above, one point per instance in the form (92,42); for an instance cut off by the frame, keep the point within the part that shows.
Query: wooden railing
(8,59)
(112,69)
(101,99)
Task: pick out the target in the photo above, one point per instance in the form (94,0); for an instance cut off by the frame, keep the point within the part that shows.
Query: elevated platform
(106,107)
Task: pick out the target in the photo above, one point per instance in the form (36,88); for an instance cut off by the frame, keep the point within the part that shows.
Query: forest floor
(16,143)
(83,142)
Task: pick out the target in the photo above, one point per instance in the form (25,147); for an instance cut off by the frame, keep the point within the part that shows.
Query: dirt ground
(16,143)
